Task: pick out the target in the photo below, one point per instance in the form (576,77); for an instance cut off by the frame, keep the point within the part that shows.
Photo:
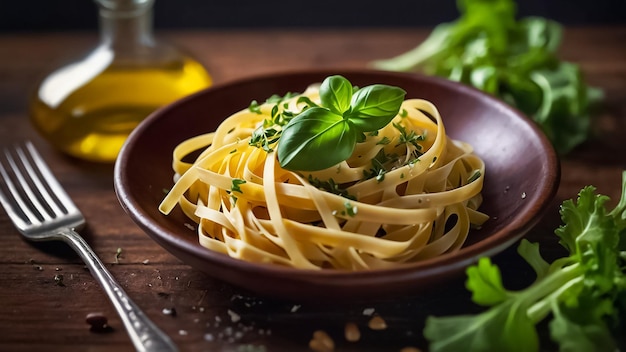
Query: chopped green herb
(411,137)
(264,138)
(384,141)
(380,164)
(307,101)
(269,133)
(474,176)
(351,210)
(381,175)
(277,99)
(236,182)
(404,113)
(255,107)
(330,186)
(118,254)
(274,112)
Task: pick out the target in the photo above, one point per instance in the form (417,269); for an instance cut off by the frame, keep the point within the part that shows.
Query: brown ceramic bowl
(522,174)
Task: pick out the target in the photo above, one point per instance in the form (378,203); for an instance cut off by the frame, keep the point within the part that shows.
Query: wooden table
(38,314)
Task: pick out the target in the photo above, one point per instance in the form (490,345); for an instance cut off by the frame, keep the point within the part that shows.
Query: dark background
(64,15)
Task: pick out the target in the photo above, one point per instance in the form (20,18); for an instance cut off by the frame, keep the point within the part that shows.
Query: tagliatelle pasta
(408,192)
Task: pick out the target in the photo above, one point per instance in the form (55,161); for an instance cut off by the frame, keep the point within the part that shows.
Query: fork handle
(145,335)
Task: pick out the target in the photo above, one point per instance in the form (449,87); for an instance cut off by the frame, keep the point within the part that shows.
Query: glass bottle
(87,108)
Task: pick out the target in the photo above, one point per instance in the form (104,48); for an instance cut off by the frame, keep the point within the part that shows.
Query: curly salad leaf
(516,60)
(583,293)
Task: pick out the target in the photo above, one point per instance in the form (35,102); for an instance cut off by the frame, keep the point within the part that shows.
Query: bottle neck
(125,24)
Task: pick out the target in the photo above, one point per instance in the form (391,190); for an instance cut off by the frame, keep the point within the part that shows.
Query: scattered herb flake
(330,186)
(255,107)
(383,141)
(118,254)
(409,137)
(474,176)
(236,182)
(351,210)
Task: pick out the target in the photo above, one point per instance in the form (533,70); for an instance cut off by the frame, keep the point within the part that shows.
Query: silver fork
(42,211)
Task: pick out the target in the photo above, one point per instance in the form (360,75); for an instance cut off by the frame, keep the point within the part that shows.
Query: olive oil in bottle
(88,108)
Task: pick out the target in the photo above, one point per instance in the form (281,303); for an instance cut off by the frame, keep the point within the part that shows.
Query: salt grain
(368,311)
(295,308)
(169,311)
(234,317)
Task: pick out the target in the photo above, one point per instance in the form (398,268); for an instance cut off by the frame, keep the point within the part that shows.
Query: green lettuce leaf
(514,59)
(583,294)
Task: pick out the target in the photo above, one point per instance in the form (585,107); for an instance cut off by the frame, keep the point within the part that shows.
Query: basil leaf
(335,94)
(374,106)
(324,135)
(316,139)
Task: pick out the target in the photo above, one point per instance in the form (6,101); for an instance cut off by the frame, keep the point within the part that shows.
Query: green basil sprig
(325,135)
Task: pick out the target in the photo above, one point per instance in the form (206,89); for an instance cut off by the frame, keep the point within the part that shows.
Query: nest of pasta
(408,192)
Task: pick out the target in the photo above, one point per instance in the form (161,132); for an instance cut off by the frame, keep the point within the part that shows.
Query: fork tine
(64,199)
(34,195)
(19,218)
(43,191)
(26,187)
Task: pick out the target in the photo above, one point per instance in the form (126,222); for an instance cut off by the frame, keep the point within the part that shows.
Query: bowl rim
(440,265)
